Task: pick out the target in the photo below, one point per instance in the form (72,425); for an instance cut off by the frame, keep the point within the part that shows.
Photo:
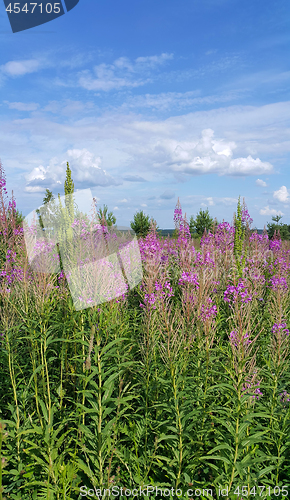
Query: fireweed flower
(150,299)
(284,398)
(278,283)
(280,329)
(232,293)
(236,339)
(187,277)
(166,289)
(252,388)
(275,245)
(209,311)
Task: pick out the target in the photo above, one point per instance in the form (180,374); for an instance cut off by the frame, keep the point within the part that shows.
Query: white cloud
(260,182)
(205,156)
(210,201)
(20,68)
(169,100)
(22,106)
(227,201)
(143,205)
(153,60)
(282,194)
(124,201)
(121,73)
(270,211)
(85,167)
(116,208)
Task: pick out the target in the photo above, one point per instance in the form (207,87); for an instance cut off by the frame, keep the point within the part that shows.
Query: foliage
(202,221)
(106,217)
(283,229)
(239,239)
(183,382)
(141,224)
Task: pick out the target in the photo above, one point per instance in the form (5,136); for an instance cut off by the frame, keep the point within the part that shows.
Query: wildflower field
(181,383)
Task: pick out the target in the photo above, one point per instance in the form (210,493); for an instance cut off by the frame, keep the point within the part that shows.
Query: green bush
(202,221)
(141,224)
(275,226)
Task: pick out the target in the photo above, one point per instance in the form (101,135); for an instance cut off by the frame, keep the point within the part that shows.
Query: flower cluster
(209,311)
(187,277)
(252,388)
(284,397)
(261,238)
(232,293)
(280,329)
(275,245)
(246,219)
(237,339)
(166,289)
(177,215)
(278,283)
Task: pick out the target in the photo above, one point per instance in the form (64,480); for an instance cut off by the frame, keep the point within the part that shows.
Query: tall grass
(181,383)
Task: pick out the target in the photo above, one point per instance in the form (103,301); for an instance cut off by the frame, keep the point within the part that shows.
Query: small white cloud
(228,201)
(22,106)
(261,183)
(116,208)
(282,194)
(34,189)
(124,201)
(270,211)
(210,201)
(20,68)
(154,60)
(143,205)
(38,173)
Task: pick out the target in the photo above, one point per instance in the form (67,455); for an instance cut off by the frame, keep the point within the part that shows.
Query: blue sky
(151,101)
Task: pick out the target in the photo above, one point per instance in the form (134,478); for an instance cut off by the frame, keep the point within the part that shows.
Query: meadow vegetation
(181,382)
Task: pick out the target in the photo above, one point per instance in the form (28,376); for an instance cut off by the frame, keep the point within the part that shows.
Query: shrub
(141,224)
(202,221)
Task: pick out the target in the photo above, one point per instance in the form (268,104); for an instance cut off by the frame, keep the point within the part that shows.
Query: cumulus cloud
(85,167)
(270,211)
(20,68)
(167,195)
(143,205)
(260,182)
(122,73)
(205,156)
(282,194)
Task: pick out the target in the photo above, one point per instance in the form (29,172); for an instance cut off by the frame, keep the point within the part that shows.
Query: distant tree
(141,224)
(107,217)
(284,229)
(43,210)
(202,221)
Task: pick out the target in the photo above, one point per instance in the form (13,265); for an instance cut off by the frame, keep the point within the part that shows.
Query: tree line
(141,222)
